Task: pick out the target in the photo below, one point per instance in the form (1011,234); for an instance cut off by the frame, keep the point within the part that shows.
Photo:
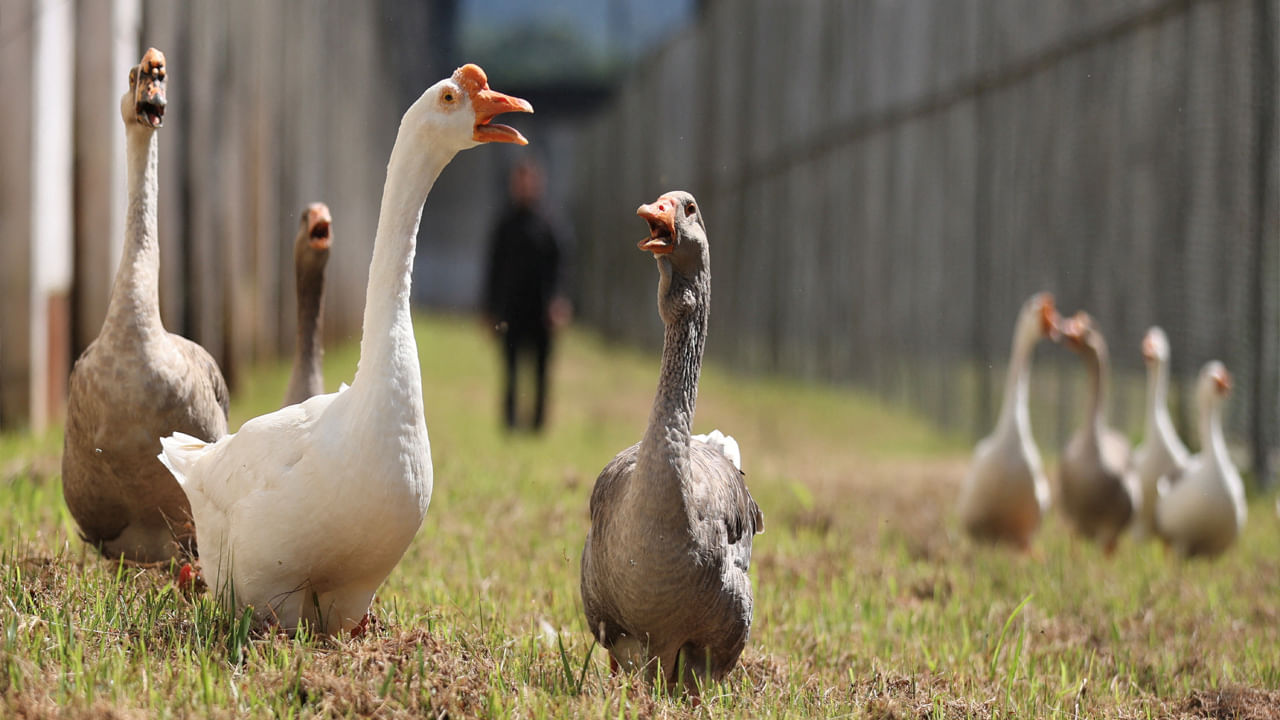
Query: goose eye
(447,96)
(689,209)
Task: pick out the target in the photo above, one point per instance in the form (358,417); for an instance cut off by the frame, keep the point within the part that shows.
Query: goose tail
(180,452)
(725,444)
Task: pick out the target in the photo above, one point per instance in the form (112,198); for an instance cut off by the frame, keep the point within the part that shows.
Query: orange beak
(1222,379)
(661,216)
(149,98)
(319,224)
(488,104)
(1049,319)
(1149,349)
(1074,328)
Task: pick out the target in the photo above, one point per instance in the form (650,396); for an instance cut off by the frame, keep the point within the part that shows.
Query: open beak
(1050,321)
(661,216)
(149,98)
(1222,380)
(1073,329)
(488,104)
(320,235)
(319,226)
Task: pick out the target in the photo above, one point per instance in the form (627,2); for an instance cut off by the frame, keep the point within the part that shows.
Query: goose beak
(319,226)
(661,216)
(1073,329)
(1222,380)
(1149,350)
(488,104)
(1050,321)
(149,98)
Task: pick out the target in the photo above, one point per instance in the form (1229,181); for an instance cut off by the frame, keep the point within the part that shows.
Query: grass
(869,603)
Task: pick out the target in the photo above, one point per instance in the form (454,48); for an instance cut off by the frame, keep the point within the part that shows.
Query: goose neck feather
(307,379)
(1015,415)
(1095,360)
(134,308)
(1159,430)
(685,308)
(388,353)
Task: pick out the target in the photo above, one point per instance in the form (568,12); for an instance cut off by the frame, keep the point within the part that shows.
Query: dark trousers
(520,341)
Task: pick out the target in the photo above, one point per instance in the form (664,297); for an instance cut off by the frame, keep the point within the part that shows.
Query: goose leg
(362,627)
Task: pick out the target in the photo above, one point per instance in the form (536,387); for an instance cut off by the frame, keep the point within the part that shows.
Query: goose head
(678,240)
(1155,348)
(1082,336)
(1213,385)
(315,233)
(143,105)
(457,113)
(677,232)
(1038,319)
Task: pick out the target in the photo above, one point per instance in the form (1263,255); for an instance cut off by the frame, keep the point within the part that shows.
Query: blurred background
(885,181)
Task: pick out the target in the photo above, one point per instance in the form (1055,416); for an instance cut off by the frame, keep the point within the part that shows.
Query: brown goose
(137,382)
(310,255)
(1095,495)
(664,569)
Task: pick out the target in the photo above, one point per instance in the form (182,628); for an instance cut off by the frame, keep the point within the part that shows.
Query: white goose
(1005,491)
(1161,452)
(1201,510)
(305,511)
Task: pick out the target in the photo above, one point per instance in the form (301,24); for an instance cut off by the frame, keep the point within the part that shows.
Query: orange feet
(363,627)
(187,577)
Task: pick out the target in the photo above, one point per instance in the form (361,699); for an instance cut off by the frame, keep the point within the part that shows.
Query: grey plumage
(664,567)
(137,382)
(310,256)
(1095,497)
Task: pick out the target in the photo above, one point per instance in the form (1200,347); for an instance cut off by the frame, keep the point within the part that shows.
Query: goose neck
(135,295)
(388,328)
(1097,399)
(671,420)
(1211,438)
(1014,413)
(308,362)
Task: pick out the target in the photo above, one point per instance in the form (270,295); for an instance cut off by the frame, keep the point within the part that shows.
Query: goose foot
(366,624)
(188,576)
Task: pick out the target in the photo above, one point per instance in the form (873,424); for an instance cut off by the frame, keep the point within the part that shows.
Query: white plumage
(305,511)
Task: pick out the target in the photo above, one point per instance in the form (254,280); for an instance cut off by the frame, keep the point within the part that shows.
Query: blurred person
(524,300)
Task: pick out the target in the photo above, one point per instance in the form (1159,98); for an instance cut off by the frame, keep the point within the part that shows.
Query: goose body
(1005,491)
(136,382)
(1202,509)
(310,256)
(305,511)
(1161,453)
(1095,496)
(664,567)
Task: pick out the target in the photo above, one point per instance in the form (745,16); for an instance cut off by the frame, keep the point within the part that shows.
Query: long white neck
(1212,441)
(1014,413)
(134,308)
(1158,421)
(388,352)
